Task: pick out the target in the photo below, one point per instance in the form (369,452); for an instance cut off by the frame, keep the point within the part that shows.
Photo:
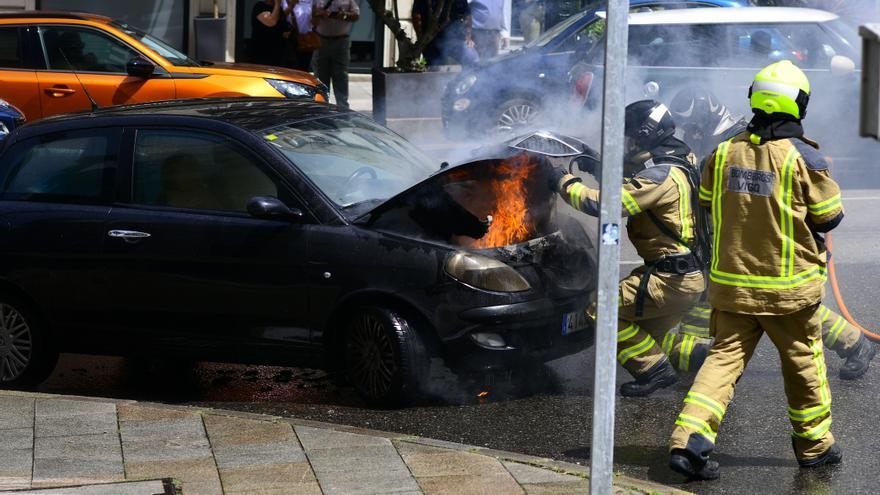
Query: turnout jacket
(769,203)
(664,190)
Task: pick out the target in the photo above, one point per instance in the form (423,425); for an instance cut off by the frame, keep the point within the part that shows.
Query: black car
(279,232)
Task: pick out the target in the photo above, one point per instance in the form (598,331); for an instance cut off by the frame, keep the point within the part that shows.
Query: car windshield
(165,50)
(548,35)
(847,35)
(353,161)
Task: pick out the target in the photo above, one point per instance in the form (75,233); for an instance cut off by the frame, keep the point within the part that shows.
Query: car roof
(51,14)
(743,15)
(253,114)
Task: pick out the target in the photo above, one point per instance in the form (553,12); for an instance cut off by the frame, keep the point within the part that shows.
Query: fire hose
(839,298)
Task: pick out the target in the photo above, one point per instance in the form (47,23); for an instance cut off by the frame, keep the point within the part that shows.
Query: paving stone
(166,450)
(152,487)
(188,427)
(320,438)
(233,456)
(366,483)
(297,478)
(16,439)
(16,412)
(441,462)
(75,424)
(523,473)
(103,447)
(311,489)
(201,488)
(137,412)
(200,472)
(225,430)
(357,459)
(65,408)
(565,488)
(16,467)
(470,485)
(61,471)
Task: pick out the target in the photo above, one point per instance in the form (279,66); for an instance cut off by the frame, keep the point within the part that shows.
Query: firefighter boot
(661,375)
(831,456)
(858,359)
(693,460)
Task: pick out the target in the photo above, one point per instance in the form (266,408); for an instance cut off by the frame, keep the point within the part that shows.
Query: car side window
(674,46)
(11,50)
(805,44)
(200,171)
(74,166)
(85,50)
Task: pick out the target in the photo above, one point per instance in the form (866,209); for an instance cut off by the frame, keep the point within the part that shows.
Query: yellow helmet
(780,89)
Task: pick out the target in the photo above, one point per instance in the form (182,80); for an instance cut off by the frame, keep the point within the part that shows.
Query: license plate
(575,322)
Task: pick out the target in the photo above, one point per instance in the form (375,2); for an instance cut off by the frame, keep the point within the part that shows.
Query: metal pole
(602,454)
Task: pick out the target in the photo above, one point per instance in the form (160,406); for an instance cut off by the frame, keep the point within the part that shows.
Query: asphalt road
(753,444)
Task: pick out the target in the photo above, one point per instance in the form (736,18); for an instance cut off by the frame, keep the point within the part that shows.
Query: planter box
(409,102)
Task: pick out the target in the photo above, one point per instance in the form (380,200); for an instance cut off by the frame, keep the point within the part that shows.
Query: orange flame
(509,216)
(483,394)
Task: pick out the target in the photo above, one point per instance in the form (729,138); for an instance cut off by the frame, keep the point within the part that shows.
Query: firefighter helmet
(648,123)
(780,90)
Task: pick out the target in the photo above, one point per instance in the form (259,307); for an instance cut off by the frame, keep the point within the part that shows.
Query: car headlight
(291,89)
(3,130)
(463,86)
(485,273)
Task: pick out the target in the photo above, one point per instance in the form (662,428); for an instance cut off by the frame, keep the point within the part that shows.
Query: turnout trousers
(798,339)
(668,298)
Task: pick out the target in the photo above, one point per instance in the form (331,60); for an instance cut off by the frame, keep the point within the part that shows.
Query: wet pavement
(753,444)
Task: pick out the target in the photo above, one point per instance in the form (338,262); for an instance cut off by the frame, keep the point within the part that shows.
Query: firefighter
(696,110)
(659,197)
(771,197)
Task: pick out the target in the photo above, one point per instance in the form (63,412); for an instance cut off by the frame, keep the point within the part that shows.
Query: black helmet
(700,118)
(648,123)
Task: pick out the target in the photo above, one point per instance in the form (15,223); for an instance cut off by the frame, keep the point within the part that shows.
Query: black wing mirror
(271,208)
(139,67)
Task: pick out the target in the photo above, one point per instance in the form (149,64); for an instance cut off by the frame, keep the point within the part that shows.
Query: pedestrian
(307,39)
(491,31)
(771,197)
(454,42)
(531,19)
(659,198)
(268,27)
(704,123)
(333,20)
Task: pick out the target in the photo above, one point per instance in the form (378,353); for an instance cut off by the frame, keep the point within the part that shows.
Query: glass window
(354,161)
(85,50)
(584,38)
(77,166)
(184,169)
(166,51)
(808,45)
(11,56)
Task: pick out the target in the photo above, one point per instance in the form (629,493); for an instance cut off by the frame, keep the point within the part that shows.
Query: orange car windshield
(168,52)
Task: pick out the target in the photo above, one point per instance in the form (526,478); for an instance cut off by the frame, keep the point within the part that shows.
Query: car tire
(515,116)
(27,354)
(386,359)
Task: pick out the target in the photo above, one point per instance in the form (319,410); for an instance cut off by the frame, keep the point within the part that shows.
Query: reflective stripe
(707,403)
(826,206)
(763,282)
(695,330)
(627,333)
(816,432)
(574,195)
(705,194)
(808,414)
(774,87)
(629,203)
(825,312)
(631,352)
(697,425)
(668,342)
(821,372)
(786,214)
(684,352)
(698,309)
(717,179)
(834,332)
(684,205)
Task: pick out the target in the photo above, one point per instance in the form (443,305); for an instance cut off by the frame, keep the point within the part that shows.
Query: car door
(18,80)
(190,267)
(80,59)
(56,194)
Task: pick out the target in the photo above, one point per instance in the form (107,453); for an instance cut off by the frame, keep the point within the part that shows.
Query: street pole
(614,91)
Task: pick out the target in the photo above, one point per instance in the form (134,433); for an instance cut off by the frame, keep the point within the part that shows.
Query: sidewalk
(105,446)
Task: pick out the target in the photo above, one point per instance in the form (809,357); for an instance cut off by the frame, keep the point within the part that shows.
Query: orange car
(43,53)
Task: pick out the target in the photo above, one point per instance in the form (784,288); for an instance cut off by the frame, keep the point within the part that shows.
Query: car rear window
(11,56)
(77,166)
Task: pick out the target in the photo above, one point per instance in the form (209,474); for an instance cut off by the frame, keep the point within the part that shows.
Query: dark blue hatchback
(10,118)
(507,94)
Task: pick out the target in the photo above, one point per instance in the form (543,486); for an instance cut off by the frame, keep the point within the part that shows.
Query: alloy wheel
(16,343)
(516,116)
(370,354)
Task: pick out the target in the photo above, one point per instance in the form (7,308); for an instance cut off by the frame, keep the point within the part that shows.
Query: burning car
(282,232)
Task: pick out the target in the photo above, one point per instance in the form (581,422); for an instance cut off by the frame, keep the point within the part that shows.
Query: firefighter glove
(556,177)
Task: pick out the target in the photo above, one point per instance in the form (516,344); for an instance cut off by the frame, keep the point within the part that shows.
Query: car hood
(254,70)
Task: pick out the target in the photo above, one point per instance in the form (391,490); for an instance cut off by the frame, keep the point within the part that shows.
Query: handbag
(308,42)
